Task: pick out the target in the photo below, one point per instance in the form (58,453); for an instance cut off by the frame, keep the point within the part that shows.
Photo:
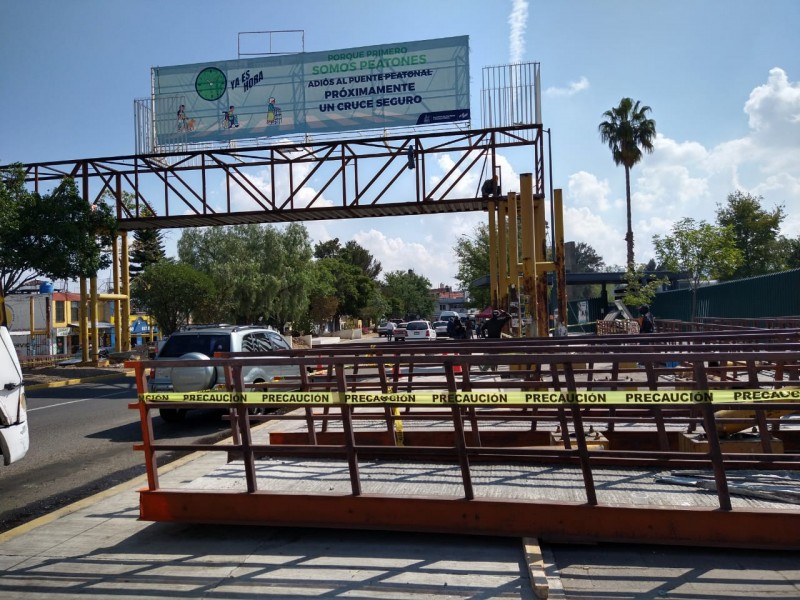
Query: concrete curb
(65,382)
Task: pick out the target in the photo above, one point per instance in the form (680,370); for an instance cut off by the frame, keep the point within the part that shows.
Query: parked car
(386,329)
(420,330)
(441,328)
(77,356)
(14,436)
(200,343)
(399,333)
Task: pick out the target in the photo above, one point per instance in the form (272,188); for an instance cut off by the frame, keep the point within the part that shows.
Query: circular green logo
(210,84)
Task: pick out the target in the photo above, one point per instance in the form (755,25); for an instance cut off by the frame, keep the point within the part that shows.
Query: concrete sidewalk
(97,548)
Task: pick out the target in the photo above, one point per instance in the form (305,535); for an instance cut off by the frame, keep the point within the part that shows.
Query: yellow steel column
(126,291)
(542,266)
(83,328)
(118,323)
(561,271)
(514,263)
(528,255)
(502,254)
(493,252)
(95,357)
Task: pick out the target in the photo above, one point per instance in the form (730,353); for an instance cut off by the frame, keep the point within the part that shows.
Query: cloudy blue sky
(722,78)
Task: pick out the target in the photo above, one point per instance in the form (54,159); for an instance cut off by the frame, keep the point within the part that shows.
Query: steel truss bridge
(308,181)
(286,181)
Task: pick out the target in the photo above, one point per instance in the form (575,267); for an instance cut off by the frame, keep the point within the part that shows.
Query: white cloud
(686,179)
(429,256)
(584,189)
(773,110)
(572,88)
(583,225)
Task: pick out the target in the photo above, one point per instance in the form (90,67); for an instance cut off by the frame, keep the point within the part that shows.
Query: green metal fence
(772,295)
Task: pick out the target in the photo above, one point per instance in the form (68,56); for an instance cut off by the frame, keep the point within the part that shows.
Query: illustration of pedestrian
(271,111)
(182,123)
(231,119)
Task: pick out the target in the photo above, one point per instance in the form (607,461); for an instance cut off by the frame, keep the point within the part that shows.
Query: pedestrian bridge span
(680,439)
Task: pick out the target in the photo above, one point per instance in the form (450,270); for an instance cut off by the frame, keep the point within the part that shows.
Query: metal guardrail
(561,433)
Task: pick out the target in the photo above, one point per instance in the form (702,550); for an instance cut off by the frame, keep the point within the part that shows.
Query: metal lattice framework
(280,182)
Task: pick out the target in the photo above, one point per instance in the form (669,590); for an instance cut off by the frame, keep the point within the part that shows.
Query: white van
(448,315)
(14,440)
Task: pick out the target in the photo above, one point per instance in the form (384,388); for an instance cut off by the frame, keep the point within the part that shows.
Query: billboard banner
(412,83)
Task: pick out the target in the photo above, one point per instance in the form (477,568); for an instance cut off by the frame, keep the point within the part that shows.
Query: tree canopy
(702,250)
(755,232)
(147,247)
(584,259)
(57,235)
(353,271)
(261,273)
(408,295)
(173,294)
(472,256)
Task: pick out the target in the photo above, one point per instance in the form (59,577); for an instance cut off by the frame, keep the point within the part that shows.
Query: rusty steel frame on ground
(690,361)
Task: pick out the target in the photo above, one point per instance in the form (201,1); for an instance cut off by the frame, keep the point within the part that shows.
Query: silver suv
(200,342)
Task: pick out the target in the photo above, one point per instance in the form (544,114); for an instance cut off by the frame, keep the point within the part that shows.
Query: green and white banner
(411,83)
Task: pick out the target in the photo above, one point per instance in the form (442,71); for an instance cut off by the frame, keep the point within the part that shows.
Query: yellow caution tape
(485,398)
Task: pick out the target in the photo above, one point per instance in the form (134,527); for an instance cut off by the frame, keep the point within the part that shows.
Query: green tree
(472,257)
(756,232)
(146,249)
(408,294)
(641,288)
(628,131)
(323,304)
(57,235)
(788,252)
(147,246)
(701,250)
(362,258)
(354,271)
(585,260)
(377,307)
(353,289)
(261,273)
(330,249)
(173,294)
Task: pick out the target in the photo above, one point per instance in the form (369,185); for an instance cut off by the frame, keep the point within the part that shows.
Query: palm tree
(628,131)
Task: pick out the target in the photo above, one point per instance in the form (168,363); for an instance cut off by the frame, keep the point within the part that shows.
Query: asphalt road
(82,439)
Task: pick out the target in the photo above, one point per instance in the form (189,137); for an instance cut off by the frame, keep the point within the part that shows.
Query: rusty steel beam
(562,522)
